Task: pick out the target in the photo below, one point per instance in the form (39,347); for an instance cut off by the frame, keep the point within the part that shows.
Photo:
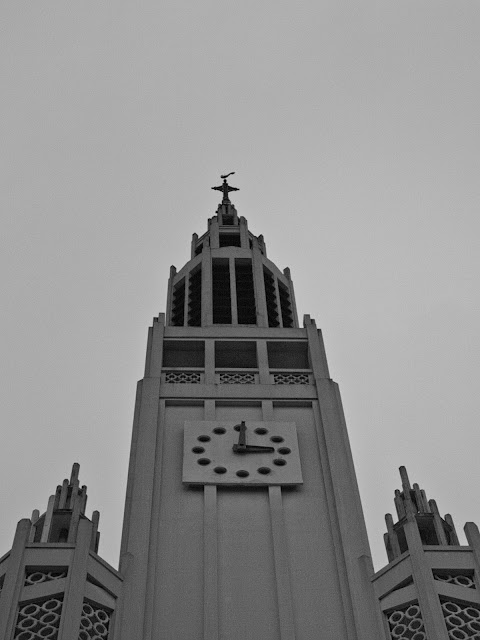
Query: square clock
(244,453)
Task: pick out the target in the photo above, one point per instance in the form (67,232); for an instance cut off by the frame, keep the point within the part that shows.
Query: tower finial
(226,188)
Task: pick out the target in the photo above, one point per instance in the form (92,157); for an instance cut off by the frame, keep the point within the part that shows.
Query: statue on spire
(225,188)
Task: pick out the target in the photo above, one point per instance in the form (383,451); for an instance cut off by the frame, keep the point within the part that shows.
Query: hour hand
(252,448)
(242,438)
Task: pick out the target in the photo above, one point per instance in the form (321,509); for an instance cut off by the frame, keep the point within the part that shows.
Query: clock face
(244,453)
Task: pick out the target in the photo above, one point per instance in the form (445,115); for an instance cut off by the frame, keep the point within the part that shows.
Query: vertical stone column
(185,299)
(244,243)
(277,298)
(207,304)
(424,582)
(293,302)
(173,273)
(209,361)
(260,298)
(318,358)
(134,560)
(193,245)
(282,568)
(346,517)
(473,539)
(76,581)
(263,369)
(210,564)
(155,348)
(14,579)
(214,233)
(233,290)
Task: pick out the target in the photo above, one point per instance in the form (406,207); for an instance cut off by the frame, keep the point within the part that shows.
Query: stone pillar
(14,579)
(260,299)
(76,581)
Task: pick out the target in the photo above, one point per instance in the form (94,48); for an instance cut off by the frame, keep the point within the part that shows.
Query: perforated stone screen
(462,620)
(461,580)
(40,619)
(183,377)
(236,378)
(291,378)
(407,624)
(39,574)
(94,623)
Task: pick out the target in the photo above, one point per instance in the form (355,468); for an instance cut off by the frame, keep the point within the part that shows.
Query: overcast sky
(354,131)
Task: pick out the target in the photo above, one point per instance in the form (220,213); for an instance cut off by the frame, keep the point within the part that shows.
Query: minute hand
(252,448)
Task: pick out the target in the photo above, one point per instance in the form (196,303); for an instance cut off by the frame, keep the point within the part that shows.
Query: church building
(243,518)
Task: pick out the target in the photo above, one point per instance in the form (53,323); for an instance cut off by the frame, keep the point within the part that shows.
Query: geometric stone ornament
(461,579)
(94,622)
(462,620)
(183,377)
(291,378)
(209,457)
(236,378)
(406,624)
(40,619)
(41,574)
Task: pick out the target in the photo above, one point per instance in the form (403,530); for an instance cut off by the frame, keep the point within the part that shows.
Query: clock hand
(243,447)
(252,448)
(242,438)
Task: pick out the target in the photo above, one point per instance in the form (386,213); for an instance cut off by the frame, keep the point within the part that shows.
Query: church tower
(243,517)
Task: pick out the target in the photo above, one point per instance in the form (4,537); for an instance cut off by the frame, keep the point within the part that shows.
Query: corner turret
(64,511)
(412,506)
(430,587)
(53,584)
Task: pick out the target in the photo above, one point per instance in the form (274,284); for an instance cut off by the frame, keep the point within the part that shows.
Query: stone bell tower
(242,517)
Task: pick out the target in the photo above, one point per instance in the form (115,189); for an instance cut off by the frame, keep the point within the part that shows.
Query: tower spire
(225,188)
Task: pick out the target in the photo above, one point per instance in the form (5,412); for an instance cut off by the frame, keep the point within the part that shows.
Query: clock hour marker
(198,450)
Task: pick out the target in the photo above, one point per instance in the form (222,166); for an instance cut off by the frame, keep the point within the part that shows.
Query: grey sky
(354,131)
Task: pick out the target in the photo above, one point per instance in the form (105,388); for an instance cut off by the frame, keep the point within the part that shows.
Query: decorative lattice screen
(183,377)
(291,378)
(407,624)
(94,623)
(460,580)
(237,378)
(462,620)
(37,575)
(38,620)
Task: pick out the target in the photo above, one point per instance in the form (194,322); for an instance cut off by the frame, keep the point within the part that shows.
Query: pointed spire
(412,505)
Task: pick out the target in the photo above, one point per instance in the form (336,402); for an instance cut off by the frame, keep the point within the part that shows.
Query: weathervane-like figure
(226,188)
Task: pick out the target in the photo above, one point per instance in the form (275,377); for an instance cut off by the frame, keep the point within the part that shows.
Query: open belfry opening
(242,515)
